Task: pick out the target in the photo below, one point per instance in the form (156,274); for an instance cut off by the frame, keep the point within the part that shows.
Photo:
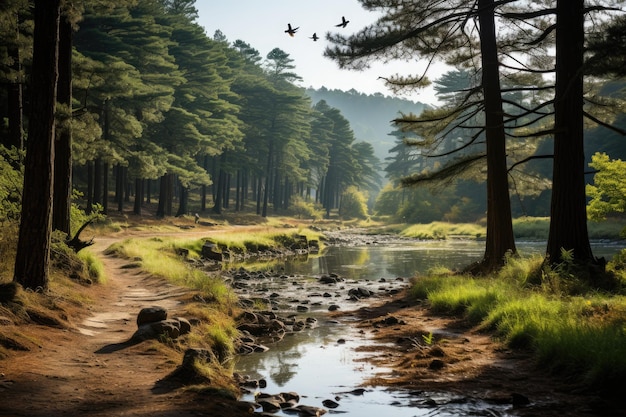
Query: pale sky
(261,23)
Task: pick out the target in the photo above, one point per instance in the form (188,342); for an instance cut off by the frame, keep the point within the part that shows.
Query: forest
(136,104)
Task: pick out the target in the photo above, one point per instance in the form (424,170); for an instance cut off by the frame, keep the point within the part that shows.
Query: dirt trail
(90,370)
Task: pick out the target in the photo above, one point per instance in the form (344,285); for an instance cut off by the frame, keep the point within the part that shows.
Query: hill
(370,115)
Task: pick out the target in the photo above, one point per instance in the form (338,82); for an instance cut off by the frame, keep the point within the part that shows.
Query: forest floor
(91,370)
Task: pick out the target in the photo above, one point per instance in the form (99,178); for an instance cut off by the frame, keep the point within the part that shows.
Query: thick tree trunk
(63,142)
(33,248)
(568,215)
(500,239)
(166,195)
(183,204)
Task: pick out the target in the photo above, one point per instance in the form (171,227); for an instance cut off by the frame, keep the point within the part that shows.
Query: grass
(158,257)
(443,230)
(529,228)
(581,335)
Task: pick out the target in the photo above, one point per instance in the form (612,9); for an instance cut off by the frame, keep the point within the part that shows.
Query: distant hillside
(370,115)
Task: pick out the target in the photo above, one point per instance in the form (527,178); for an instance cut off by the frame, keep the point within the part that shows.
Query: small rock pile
(152,323)
(267,326)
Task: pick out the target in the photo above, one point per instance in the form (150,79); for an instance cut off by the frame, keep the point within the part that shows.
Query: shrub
(353,204)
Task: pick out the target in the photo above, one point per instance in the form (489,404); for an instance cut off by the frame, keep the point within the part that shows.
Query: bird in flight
(314,37)
(291,31)
(343,23)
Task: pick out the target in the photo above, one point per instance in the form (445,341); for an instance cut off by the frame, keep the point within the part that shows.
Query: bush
(11,181)
(306,209)
(353,204)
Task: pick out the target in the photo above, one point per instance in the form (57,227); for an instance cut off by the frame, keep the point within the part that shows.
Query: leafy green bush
(11,181)
(353,204)
(302,208)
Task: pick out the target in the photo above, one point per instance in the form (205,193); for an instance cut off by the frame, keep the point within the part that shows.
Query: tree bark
(105,187)
(165,196)
(138,196)
(33,248)
(89,196)
(63,142)
(568,208)
(500,239)
(183,204)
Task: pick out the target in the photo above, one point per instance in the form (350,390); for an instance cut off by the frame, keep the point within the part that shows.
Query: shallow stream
(321,363)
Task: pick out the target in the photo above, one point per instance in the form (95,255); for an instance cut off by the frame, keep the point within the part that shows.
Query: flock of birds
(292,31)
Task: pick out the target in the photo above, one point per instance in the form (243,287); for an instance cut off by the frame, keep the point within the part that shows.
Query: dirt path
(90,370)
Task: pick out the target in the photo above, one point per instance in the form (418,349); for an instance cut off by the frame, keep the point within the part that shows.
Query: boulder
(151,315)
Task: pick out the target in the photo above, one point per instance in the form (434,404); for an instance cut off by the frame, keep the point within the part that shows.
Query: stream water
(321,363)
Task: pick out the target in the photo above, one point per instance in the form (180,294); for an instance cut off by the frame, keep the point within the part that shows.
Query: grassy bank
(572,329)
(161,257)
(528,228)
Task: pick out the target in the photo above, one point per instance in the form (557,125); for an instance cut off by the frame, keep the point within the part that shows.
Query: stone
(151,315)
(184,325)
(330,404)
(211,251)
(197,354)
(169,328)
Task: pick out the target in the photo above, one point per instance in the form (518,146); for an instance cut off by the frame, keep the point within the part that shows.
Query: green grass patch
(582,335)
(537,228)
(94,266)
(444,230)
(159,257)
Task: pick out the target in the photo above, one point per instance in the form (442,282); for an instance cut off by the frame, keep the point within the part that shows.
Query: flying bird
(343,23)
(291,31)
(314,37)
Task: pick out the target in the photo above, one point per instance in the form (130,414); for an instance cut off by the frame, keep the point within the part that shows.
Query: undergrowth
(573,326)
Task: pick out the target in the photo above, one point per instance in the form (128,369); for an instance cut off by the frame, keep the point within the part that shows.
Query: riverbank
(444,359)
(426,354)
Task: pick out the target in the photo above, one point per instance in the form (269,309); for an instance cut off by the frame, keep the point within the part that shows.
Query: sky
(262,24)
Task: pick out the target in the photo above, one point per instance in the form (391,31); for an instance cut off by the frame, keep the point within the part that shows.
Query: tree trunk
(148,191)
(203,192)
(105,187)
(226,192)
(259,182)
(33,248)
(500,239)
(219,187)
(89,207)
(138,196)
(119,187)
(97,181)
(63,143)
(183,204)
(238,191)
(165,196)
(568,215)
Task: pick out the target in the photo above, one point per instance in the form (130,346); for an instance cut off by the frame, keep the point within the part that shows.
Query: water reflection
(318,367)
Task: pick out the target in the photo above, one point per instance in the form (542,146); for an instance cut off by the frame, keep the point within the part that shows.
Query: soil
(91,369)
